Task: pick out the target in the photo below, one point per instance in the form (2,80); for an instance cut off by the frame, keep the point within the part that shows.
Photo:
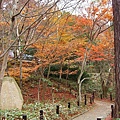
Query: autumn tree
(56,47)
(89,27)
(101,55)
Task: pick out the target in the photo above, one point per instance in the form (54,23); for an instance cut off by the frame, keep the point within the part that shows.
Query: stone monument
(11,97)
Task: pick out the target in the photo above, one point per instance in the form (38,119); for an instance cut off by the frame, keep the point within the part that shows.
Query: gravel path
(102,109)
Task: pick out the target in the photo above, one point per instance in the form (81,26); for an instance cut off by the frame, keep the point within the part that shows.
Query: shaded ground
(46,93)
(102,109)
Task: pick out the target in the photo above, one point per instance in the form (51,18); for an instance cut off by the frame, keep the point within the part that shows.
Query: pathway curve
(101,109)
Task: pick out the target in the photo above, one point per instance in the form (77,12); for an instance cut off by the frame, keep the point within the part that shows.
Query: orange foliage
(27,69)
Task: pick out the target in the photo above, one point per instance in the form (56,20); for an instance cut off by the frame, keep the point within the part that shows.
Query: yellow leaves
(65,37)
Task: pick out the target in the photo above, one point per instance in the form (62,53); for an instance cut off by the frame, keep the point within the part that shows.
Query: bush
(34,77)
(56,68)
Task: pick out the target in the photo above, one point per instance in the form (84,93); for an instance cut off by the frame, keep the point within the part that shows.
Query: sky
(73,6)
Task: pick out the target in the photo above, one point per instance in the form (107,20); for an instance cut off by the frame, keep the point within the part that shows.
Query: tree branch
(0,4)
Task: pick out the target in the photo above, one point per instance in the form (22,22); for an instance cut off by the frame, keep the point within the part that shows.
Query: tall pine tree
(116,20)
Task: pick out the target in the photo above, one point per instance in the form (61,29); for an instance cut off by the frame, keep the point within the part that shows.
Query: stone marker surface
(11,97)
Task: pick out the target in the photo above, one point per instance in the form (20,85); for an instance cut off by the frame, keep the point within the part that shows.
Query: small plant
(49,83)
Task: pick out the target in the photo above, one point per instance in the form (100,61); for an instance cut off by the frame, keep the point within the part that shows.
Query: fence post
(85,100)
(57,109)
(75,95)
(58,86)
(99,119)
(90,100)
(41,114)
(101,96)
(78,103)
(110,97)
(3,118)
(93,96)
(24,117)
(69,105)
(70,90)
(112,112)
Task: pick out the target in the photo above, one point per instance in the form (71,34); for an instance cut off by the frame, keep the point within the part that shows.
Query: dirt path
(102,109)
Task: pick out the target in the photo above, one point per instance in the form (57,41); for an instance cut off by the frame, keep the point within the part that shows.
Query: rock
(11,97)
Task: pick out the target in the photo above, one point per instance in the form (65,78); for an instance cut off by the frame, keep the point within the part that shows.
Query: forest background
(39,39)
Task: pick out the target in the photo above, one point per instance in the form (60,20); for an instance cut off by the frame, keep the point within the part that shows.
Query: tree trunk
(60,75)
(41,72)
(48,71)
(68,67)
(21,72)
(104,90)
(116,20)
(80,93)
(39,89)
(1,3)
